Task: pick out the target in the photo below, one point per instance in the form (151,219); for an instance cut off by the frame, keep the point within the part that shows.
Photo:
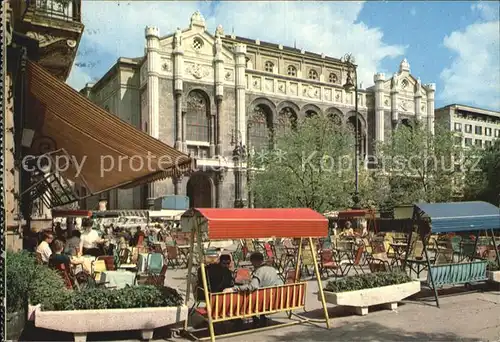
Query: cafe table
(118,279)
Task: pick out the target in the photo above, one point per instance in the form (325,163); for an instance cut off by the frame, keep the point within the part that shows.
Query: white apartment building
(478,127)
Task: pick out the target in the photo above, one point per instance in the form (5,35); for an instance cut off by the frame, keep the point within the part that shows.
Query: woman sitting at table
(58,258)
(90,239)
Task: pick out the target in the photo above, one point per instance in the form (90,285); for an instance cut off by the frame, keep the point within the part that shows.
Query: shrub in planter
(367,281)
(19,272)
(493,266)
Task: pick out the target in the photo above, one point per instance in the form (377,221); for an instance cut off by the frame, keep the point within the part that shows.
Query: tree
(483,182)
(311,166)
(421,166)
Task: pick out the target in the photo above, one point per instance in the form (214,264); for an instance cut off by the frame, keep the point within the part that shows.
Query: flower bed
(94,310)
(362,291)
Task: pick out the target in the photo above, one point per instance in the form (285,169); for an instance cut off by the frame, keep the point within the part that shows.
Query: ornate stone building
(208,93)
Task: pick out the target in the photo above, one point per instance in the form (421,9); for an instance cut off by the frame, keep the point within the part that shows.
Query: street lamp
(350,85)
(239,153)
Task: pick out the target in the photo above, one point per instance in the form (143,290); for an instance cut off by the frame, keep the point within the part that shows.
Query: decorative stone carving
(423,108)
(282,87)
(404,105)
(337,97)
(143,73)
(386,102)
(311,92)
(198,71)
(196,101)
(219,177)
(71,43)
(269,85)
(404,84)
(256,83)
(228,76)
(166,66)
(44,39)
(294,88)
(394,81)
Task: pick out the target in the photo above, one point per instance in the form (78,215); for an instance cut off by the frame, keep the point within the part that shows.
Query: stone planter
(14,324)
(362,299)
(494,276)
(81,322)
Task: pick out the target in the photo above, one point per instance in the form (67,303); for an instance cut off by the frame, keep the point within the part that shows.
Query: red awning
(226,224)
(71,213)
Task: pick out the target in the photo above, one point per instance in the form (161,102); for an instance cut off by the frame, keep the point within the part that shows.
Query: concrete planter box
(362,299)
(81,322)
(494,276)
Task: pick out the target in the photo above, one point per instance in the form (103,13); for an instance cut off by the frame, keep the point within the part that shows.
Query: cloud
(323,27)
(487,11)
(78,77)
(474,74)
(413,11)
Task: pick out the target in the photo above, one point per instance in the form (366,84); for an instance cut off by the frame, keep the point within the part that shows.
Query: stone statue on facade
(178,38)
(394,81)
(219,31)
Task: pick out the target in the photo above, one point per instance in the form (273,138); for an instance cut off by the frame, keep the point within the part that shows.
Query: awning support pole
(190,269)
(208,300)
(320,284)
(298,264)
(495,246)
(429,267)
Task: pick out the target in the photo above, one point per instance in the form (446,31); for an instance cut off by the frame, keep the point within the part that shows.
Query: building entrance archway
(199,191)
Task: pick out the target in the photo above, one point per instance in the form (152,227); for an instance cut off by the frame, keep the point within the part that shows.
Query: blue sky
(453,44)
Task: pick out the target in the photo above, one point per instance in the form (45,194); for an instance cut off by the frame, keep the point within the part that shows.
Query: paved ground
(473,316)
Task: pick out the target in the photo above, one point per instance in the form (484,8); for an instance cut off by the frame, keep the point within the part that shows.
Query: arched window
(197,121)
(259,128)
(313,75)
(310,113)
(291,71)
(269,66)
(336,119)
(332,78)
(286,120)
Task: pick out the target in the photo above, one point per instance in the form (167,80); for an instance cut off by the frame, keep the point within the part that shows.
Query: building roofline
(288,49)
(472,109)
(121,61)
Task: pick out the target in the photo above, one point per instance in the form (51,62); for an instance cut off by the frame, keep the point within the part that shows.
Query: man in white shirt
(43,249)
(90,240)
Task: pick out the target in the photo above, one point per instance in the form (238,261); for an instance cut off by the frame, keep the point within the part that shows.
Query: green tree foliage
(311,166)
(483,182)
(419,166)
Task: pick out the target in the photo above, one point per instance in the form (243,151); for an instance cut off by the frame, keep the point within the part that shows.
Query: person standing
(90,239)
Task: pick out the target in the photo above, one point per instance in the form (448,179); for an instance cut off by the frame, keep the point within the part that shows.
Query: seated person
(348,230)
(263,276)
(43,248)
(219,277)
(58,258)
(134,242)
(73,244)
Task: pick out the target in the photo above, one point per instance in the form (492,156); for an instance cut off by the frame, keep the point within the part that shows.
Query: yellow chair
(98,267)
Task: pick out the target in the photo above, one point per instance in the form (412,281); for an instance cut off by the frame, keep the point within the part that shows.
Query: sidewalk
(472,316)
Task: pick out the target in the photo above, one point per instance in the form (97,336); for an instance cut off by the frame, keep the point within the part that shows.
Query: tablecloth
(118,279)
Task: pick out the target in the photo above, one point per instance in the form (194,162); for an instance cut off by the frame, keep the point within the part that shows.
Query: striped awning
(105,152)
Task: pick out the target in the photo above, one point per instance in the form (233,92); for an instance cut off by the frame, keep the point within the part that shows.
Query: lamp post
(350,85)
(239,153)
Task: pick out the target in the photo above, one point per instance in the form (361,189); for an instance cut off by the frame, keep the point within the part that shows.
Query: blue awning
(460,216)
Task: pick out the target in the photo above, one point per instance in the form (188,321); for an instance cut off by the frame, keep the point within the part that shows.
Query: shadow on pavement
(364,331)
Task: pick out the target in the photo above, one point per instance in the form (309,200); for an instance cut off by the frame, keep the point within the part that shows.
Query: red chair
(109,261)
(328,263)
(61,268)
